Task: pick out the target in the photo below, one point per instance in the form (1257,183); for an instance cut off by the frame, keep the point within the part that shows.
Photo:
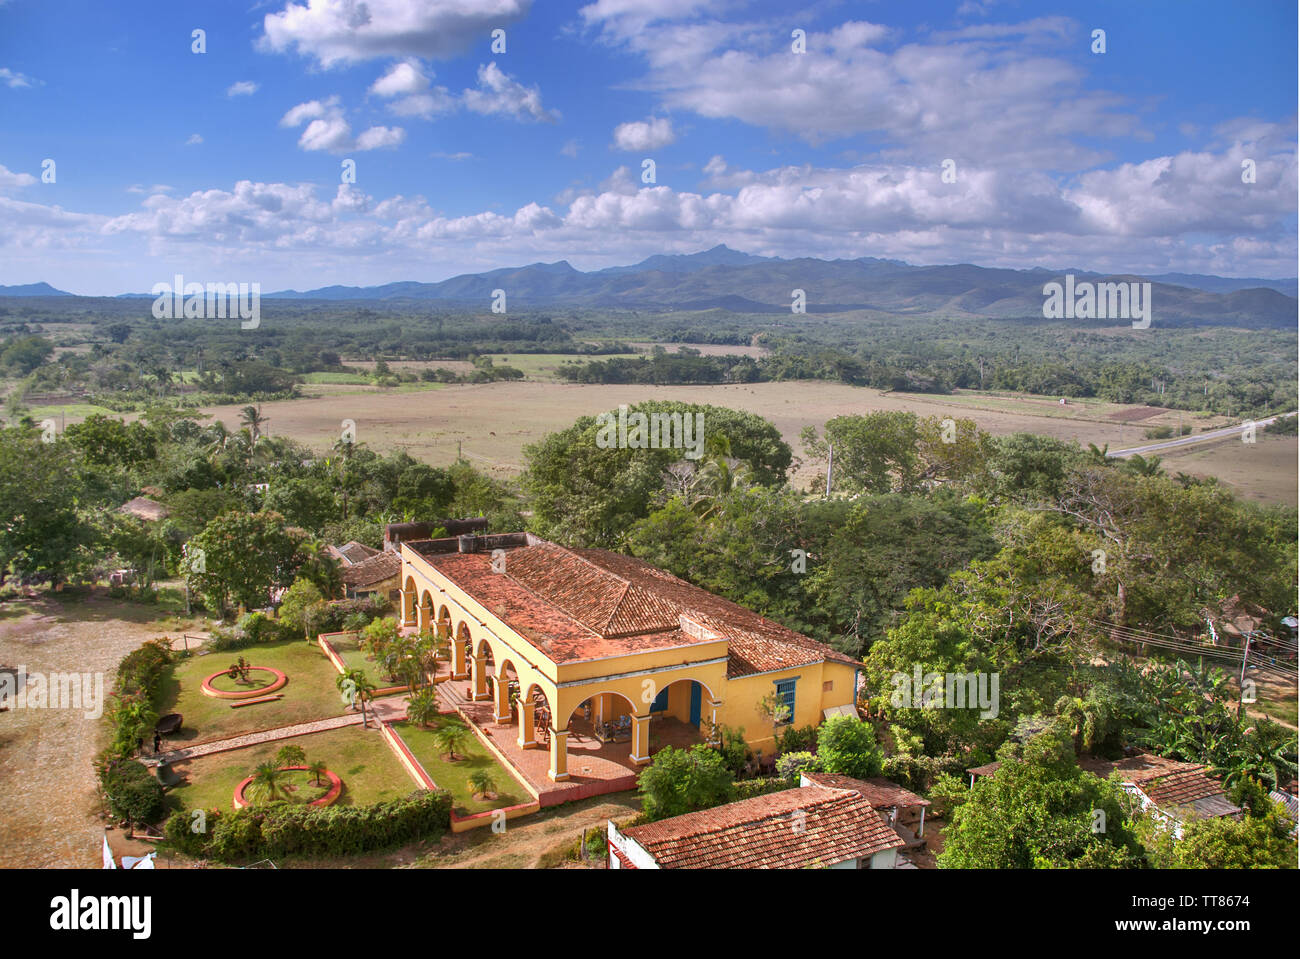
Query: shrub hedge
(277,830)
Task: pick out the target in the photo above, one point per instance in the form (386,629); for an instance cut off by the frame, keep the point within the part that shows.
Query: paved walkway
(264,736)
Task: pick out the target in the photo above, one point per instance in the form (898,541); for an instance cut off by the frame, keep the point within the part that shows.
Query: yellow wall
(640,675)
(745,693)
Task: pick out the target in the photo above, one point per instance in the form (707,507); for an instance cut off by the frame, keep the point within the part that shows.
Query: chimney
(467,543)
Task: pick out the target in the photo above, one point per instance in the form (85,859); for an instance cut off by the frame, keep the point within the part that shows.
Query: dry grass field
(494,421)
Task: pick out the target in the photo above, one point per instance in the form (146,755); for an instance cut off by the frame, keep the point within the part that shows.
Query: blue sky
(226,165)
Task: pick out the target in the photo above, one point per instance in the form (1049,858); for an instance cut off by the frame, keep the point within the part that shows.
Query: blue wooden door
(695,705)
(661,701)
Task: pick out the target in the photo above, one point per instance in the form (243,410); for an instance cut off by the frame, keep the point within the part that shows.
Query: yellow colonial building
(594,638)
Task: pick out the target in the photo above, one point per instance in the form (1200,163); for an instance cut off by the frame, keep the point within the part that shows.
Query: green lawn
(349,650)
(454,776)
(335,378)
(311,692)
(360,757)
(542,366)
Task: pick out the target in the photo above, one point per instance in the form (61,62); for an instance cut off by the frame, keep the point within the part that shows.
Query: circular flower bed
(278,681)
(336,787)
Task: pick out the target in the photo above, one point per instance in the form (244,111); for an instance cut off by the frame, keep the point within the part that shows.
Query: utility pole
(1241,683)
(830,461)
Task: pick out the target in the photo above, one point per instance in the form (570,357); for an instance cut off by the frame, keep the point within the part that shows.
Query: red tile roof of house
(579,604)
(370,571)
(791,829)
(1169,783)
(881,793)
(352,552)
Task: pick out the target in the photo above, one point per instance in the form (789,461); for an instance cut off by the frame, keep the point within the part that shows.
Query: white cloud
(377,138)
(243,88)
(570,148)
(347,31)
(1005,94)
(499,93)
(330,131)
(1187,211)
(401,78)
(14,79)
(9,179)
(409,85)
(194,140)
(640,135)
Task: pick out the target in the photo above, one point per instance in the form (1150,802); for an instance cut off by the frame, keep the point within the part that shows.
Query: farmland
(493,422)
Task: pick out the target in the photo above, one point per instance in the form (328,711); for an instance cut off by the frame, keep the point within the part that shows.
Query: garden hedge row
(280,829)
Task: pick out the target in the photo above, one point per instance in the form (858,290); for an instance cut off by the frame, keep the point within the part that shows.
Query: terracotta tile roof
(1170,784)
(881,793)
(352,552)
(792,829)
(374,570)
(576,604)
(1180,788)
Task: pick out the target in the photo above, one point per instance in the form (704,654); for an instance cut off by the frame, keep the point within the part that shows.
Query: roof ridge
(838,796)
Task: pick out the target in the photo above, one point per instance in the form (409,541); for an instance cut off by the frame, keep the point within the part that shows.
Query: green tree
(452,739)
(481,783)
(244,556)
(291,756)
(1041,811)
(298,606)
(679,781)
(422,708)
(41,528)
(265,785)
(847,746)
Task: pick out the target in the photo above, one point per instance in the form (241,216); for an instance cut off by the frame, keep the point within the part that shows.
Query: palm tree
(481,783)
(251,418)
(1139,464)
(291,756)
(265,784)
(422,708)
(356,687)
(451,738)
(317,771)
(1097,456)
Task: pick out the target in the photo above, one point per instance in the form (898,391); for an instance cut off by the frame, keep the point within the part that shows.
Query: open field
(494,421)
(370,771)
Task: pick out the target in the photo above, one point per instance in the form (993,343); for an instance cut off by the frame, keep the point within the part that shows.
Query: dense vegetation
(113,352)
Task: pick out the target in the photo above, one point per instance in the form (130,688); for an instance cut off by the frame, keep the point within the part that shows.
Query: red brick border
(336,787)
(209,690)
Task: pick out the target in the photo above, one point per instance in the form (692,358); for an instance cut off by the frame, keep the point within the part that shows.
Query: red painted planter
(209,690)
(336,787)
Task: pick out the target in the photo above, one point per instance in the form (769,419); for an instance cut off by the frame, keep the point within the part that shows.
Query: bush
(750,788)
(790,765)
(180,834)
(131,791)
(683,780)
(847,746)
(282,829)
(918,773)
(792,740)
(257,627)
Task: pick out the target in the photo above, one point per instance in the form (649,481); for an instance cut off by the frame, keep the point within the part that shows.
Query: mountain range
(725,279)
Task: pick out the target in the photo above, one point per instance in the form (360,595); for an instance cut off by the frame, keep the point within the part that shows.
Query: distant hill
(32,289)
(725,279)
